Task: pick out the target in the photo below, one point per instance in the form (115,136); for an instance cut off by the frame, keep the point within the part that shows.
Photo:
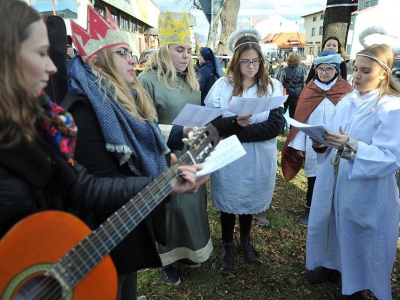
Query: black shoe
(321,275)
(355,296)
(247,249)
(227,259)
(304,219)
(170,275)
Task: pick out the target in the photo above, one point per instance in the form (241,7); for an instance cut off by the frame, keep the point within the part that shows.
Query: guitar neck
(78,262)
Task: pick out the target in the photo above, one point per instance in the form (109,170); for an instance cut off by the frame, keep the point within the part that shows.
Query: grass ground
(282,259)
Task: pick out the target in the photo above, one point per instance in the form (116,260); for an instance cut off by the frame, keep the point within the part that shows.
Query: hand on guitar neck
(54,255)
(189,184)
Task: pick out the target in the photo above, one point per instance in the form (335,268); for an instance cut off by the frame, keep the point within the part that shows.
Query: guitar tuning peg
(185,141)
(195,129)
(190,135)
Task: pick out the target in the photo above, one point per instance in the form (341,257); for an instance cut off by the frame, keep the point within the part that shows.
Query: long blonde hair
(384,53)
(142,109)
(161,63)
(19,110)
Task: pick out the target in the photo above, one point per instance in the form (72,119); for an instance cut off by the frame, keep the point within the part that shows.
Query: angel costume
(354,219)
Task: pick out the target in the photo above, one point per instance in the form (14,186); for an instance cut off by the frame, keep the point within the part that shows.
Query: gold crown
(172,31)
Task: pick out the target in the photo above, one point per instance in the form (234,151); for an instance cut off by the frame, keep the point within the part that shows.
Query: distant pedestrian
(209,71)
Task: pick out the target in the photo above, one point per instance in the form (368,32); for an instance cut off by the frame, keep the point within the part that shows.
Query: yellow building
(136,18)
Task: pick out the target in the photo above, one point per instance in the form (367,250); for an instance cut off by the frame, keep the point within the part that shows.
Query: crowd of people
(112,136)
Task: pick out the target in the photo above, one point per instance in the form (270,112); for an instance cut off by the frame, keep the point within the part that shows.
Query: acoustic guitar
(54,255)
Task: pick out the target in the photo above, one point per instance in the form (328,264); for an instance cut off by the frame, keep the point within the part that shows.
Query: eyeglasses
(327,71)
(247,62)
(127,55)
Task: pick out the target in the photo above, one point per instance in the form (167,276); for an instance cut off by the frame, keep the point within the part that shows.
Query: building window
(133,26)
(313,32)
(99,9)
(140,28)
(367,4)
(314,18)
(322,16)
(321,30)
(124,23)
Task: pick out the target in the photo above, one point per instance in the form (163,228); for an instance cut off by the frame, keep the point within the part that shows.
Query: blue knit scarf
(140,144)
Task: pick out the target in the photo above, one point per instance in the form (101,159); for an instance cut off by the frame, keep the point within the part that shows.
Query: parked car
(140,66)
(145,52)
(396,68)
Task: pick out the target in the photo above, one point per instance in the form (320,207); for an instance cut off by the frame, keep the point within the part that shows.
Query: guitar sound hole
(40,288)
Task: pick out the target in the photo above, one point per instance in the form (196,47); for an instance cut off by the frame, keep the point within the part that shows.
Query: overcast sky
(289,9)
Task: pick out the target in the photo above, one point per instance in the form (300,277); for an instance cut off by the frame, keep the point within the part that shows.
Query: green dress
(188,232)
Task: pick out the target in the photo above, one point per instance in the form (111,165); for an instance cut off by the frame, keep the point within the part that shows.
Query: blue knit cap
(329,57)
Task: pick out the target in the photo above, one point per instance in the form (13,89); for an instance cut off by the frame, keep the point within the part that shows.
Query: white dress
(246,185)
(321,115)
(364,222)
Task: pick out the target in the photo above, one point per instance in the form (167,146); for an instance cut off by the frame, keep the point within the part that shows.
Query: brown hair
(19,111)
(293,59)
(341,50)
(235,77)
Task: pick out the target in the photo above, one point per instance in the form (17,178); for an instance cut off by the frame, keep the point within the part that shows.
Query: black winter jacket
(138,250)
(207,78)
(36,178)
(294,85)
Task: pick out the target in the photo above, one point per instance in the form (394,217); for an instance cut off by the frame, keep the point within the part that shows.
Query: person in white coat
(245,186)
(353,225)
(316,106)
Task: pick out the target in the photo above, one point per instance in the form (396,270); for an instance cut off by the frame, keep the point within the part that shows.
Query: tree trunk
(228,17)
(337,19)
(212,35)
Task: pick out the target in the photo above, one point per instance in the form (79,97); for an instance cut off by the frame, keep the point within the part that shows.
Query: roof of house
(285,39)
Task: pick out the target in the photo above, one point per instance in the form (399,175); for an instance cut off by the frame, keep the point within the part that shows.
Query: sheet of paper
(197,115)
(245,106)
(227,151)
(317,132)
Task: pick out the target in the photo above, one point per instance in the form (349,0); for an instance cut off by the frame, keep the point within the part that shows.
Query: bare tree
(337,19)
(228,17)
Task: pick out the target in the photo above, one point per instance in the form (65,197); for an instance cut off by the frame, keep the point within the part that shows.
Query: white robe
(364,224)
(245,186)
(321,114)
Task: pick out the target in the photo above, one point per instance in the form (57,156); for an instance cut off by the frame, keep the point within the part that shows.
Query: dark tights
(310,189)
(228,225)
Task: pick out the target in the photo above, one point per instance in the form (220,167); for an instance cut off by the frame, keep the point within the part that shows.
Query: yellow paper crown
(172,31)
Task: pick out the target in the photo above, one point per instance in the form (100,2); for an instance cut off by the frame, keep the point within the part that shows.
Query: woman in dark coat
(210,70)
(293,82)
(37,138)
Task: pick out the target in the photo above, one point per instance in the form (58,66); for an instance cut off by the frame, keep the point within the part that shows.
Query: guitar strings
(137,203)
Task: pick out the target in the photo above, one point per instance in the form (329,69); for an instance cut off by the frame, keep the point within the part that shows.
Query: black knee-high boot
(227,259)
(245,246)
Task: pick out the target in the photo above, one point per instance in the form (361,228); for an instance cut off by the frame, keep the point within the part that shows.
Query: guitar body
(40,240)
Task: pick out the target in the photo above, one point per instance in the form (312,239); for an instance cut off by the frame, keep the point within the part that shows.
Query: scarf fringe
(120,149)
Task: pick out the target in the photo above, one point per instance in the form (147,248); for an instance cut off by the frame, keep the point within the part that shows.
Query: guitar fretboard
(78,262)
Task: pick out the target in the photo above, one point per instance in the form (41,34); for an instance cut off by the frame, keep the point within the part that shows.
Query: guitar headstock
(202,141)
